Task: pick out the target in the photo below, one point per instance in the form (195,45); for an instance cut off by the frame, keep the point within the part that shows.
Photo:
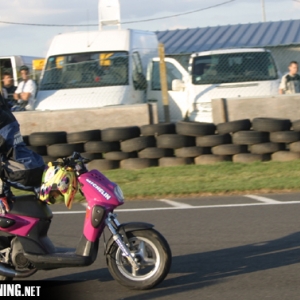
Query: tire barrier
(170,144)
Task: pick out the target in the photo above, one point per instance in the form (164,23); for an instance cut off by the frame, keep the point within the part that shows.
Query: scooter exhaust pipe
(8,272)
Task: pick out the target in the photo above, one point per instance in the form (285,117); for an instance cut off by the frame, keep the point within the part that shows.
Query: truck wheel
(175,161)
(191,151)
(101,147)
(138,143)
(174,141)
(118,155)
(103,164)
(120,133)
(250,137)
(285,136)
(213,140)
(209,159)
(138,163)
(157,129)
(234,126)
(195,128)
(250,157)
(285,156)
(229,149)
(47,138)
(63,150)
(83,136)
(271,124)
(266,148)
(155,153)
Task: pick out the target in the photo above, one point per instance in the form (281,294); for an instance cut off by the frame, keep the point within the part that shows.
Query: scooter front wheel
(151,252)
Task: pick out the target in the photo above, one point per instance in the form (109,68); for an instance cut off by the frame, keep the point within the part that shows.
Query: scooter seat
(30,206)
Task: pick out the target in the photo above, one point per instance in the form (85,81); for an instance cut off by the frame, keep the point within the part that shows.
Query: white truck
(112,66)
(231,73)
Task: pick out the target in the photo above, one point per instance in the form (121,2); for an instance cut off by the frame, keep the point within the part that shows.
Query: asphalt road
(233,247)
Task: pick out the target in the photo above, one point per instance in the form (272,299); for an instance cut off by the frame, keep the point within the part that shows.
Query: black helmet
(24,68)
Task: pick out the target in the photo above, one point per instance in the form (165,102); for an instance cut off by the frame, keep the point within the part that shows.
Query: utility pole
(263,10)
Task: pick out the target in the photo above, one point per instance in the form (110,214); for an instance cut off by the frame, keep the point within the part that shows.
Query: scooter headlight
(119,194)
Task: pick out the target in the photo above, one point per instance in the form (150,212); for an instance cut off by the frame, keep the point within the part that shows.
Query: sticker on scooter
(99,189)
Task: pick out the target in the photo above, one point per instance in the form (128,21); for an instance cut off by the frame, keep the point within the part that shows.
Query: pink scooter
(137,255)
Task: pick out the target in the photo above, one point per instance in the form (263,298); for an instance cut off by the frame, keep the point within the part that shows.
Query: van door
(178,96)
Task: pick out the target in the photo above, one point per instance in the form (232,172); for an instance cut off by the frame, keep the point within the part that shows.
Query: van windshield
(233,67)
(85,70)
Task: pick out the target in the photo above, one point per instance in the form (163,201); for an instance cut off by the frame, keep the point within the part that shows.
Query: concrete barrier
(231,109)
(87,119)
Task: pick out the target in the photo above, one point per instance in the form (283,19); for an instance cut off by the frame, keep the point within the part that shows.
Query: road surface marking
(262,199)
(175,204)
(189,207)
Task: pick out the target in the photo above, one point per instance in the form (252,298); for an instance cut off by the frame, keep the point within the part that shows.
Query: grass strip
(197,180)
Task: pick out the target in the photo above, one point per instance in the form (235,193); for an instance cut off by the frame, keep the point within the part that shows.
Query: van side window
(138,77)
(172,73)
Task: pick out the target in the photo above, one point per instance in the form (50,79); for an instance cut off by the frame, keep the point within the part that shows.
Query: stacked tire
(169,144)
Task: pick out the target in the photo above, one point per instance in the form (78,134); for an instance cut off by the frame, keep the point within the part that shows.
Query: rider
(13,147)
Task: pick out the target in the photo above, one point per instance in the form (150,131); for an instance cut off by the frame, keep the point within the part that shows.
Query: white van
(211,75)
(96,69)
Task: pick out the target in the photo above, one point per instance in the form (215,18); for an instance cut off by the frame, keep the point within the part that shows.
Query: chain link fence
(112,78)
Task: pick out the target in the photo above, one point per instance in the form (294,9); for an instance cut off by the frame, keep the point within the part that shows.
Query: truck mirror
(178,85)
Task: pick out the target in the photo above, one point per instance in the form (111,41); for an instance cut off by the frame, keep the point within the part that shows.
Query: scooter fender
(127,227)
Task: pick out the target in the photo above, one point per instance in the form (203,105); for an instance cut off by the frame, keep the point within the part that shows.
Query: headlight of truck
(203,106)
(119,194)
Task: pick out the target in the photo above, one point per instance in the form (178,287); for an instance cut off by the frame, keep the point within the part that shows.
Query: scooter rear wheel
(152,254)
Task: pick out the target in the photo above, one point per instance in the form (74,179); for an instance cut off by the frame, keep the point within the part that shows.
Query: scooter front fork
(112,223)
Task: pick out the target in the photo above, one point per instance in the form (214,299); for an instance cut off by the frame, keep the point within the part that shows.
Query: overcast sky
(34,41)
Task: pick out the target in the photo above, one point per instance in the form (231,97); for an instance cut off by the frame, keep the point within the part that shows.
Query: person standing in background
(8,89)
(25,92)
(290,82)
